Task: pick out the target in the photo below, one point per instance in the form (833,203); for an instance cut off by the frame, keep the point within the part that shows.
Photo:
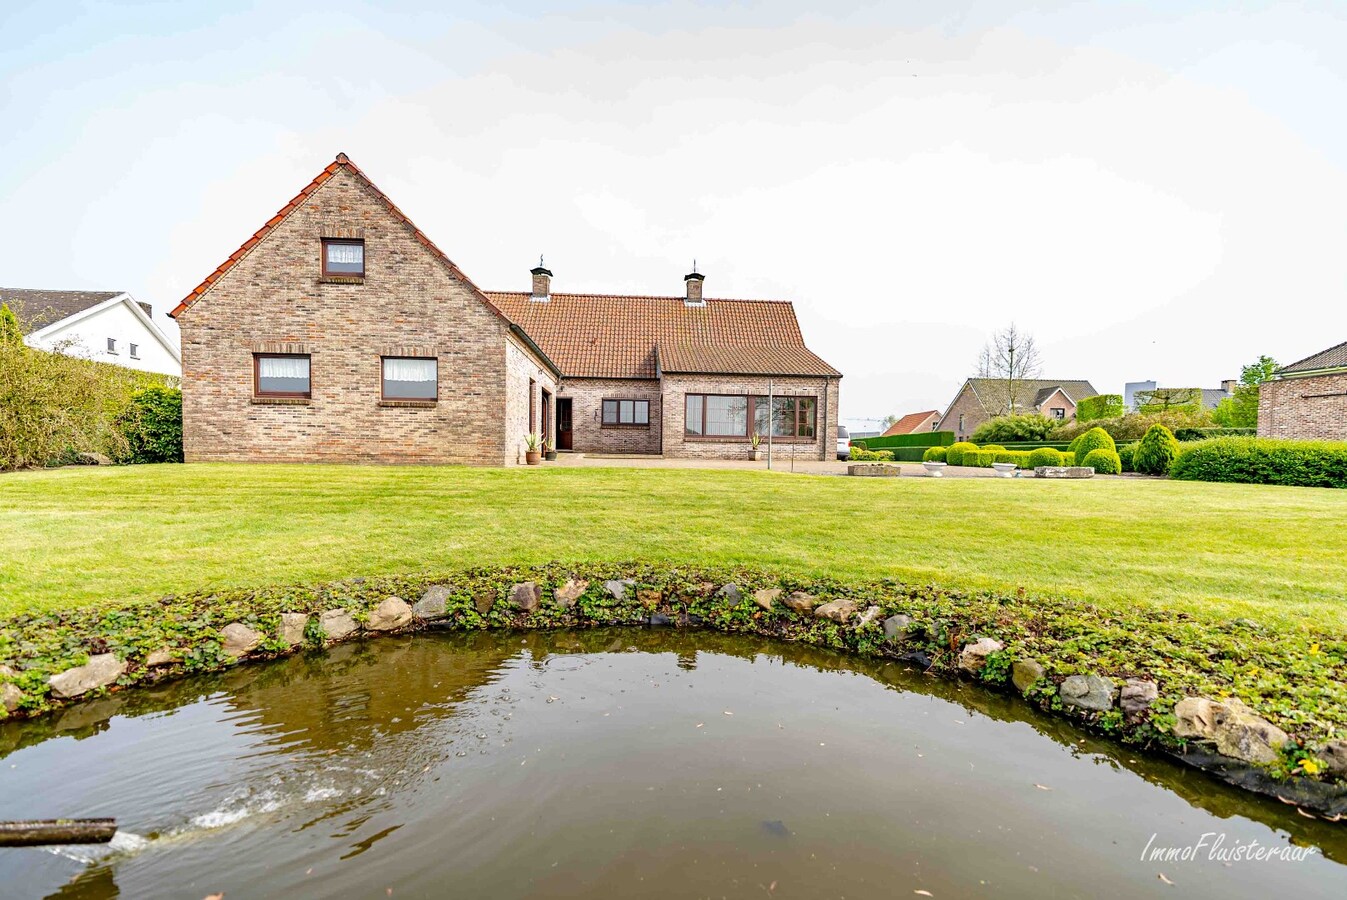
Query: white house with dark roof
(107,326)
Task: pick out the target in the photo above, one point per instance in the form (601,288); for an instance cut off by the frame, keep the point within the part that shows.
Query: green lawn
(87,535)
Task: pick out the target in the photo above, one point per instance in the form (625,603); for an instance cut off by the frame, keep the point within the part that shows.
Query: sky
(1154,190)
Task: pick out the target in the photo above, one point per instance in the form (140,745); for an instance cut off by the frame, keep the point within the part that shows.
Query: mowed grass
(82,536)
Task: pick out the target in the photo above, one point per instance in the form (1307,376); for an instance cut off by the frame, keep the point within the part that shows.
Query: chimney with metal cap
(542,282)
(694,280)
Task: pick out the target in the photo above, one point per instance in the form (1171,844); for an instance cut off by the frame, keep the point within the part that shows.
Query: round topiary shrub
(993,448)
(1105,462)
(1044,456)
(1156,452)
(954,455)
(934,454)
(1094,439)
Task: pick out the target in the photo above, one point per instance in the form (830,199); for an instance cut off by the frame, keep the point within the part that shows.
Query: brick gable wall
(1312,408)
(274,299)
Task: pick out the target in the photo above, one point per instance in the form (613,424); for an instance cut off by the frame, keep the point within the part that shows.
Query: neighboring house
(1135,393)
(108,326)
(914,423)
(980,399)
(340,332)
(1307,399)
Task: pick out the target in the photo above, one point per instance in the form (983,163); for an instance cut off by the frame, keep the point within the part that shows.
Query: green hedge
(1102,406)
(1034,445)
(933,454)
(1103,461)
(922,439)
(152,426)
(859,453)
(954,453)
(1202,434)
(1264,461)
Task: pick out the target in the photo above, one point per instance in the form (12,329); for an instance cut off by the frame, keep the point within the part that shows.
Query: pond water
(619,763)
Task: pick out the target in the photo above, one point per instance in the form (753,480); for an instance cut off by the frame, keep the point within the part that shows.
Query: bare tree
(1008,360)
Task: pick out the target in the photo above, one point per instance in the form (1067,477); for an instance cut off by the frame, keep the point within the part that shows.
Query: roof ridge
(1291,366)
(679,297)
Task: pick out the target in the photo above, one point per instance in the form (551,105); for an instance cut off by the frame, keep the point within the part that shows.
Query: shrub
(954,455)
(934,454)
(980,459)
(859,453)
(1044,456)
(1156,452)
(1126,452)
(1101,406)
(993,447)
(1031,427)
(1094,439)
(1264,461)
(152,426)
(1133,426)
(1068,458)
(1105,462)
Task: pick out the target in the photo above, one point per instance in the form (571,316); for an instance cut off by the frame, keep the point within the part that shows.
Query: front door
(547,420)
(563,423)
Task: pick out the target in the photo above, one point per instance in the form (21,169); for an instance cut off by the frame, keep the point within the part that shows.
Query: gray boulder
(799,601)
(766,597)
(870,614)
(525,596)
(731,593)
(1025,673)
(337,624)
(1137,696)
(897,627)
(393,613)
(1334,755)
(618,589)
(838,610)
(161,657)
(483,601)
(293,625)
(433,603)
(1194,717)
(973,659)
(1245,735)
(1088,692)
(99,671)
(10,695)
(238,639)
(571,591)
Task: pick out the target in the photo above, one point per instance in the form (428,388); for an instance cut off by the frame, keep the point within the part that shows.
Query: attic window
(112,345)
(343,258)
(135,351)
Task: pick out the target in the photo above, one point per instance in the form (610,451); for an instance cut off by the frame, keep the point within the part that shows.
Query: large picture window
(734,416)
(407,378)
(626,412)
(344,258)
(281,375)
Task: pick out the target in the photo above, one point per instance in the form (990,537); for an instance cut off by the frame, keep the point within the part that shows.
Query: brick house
(980,399)
(1307,399)
(914,423)
(339,332)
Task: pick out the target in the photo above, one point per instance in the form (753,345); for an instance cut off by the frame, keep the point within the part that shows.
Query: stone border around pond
(149,643)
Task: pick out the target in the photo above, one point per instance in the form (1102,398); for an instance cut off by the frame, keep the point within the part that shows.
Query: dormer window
(343,258)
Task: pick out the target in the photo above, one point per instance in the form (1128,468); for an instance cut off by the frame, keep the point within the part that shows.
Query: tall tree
(1240,410)
(1008,360)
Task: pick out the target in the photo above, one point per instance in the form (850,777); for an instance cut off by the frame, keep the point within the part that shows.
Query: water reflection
(380,751)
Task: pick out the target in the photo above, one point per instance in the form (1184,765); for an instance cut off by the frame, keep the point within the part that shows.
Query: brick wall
(966,405)
(275,299)
(590,435)
(521,367)
(1307,408)
(676,444)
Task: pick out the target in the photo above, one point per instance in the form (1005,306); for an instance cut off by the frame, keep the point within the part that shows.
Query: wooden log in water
(36,832)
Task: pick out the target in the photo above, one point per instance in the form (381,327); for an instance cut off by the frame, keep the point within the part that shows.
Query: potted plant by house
(755,454)
(531,454)
(549,451)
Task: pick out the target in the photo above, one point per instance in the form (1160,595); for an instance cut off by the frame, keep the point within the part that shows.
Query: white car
(843,442)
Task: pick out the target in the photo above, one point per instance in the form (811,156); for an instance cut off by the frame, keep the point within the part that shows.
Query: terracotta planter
(532,457)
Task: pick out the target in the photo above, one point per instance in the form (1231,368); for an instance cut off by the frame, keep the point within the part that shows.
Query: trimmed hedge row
(859,453)
(921,439)
(1264,461)
(1101,406)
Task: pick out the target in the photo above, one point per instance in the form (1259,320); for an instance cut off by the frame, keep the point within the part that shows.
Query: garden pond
(623,762)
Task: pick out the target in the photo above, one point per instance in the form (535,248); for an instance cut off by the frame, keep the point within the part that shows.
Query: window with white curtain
(281,375)
(344,258)
(409,378)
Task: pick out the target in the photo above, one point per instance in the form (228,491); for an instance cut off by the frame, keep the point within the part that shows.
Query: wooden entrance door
(547,419)
(563,423)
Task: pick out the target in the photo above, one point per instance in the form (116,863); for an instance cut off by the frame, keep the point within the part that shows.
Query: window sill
(409,404)
(279,401)
(341,279)
(626,427)
(717,439)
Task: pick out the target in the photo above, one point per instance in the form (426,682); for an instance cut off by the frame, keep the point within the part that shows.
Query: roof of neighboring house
(909,423)
(1212,397)
(623,336)
(1030,392)
(1332,358)
(37,309)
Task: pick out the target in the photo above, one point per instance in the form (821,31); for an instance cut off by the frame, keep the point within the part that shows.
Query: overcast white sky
(1154,190)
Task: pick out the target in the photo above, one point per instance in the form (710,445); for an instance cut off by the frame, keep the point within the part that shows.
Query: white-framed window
(135,351)
(1058,413)
(112,345)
